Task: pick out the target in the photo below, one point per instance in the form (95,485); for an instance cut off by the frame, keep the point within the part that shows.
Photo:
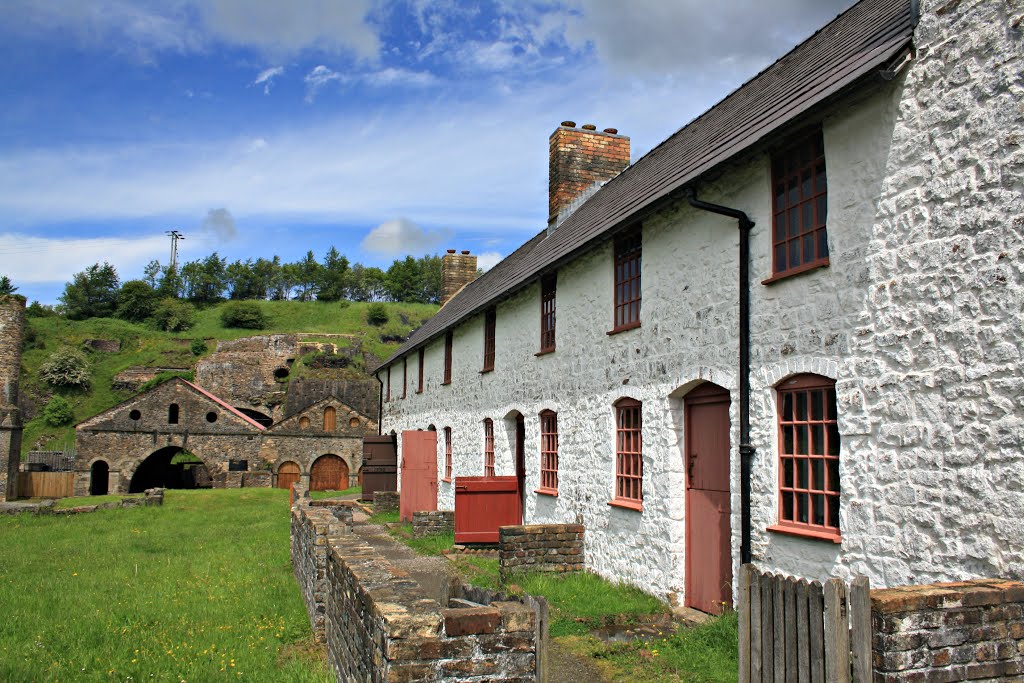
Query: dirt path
(565,666)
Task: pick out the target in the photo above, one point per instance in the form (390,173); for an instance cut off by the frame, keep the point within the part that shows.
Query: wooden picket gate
(793,630)
(46,484)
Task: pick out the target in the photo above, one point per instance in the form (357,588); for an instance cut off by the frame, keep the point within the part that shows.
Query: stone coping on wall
(382,624)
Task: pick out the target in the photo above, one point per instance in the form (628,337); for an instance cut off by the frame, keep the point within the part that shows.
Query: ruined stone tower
(12,328)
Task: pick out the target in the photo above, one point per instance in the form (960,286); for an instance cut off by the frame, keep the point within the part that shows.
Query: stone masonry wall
(379,625)
(541,548)
(12,330)
(385,501)
(433,522)
(949,632)
(457,271)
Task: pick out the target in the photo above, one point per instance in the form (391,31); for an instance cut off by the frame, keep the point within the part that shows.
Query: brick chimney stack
(457,271)
(581,160)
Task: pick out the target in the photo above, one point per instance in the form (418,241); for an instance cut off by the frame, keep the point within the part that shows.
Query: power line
(175,236)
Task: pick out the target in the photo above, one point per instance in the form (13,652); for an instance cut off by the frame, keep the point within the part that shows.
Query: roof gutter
(746,449)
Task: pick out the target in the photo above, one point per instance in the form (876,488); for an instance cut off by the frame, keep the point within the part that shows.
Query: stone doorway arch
(287,474)
(99,478)
(328,473)
(163,469)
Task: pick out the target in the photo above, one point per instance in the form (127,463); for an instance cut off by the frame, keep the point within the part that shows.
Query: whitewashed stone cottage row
(881,164)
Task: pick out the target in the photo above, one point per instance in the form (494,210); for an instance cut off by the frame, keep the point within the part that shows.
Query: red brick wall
(579,158)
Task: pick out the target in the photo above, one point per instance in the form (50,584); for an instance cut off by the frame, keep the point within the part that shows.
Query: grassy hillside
(144,346)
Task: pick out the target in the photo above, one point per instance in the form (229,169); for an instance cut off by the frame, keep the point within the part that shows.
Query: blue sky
(382,128)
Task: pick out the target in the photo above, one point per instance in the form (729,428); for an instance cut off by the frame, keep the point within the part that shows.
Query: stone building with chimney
(791,333)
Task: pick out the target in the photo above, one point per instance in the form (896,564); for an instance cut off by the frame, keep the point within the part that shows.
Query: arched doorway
(99,479)
(287,474)
(329,473)
(171,467)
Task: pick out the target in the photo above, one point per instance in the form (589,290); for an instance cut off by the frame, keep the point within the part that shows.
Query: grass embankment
(200,589)
(582,602)
(142,345)
(320,495)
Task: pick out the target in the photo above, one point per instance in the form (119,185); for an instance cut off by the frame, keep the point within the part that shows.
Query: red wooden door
(329,473)
(482,504)
(419,473)
(287,475)
(708,547)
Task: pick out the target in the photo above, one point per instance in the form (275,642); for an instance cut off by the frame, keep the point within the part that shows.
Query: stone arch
(99,478)
(329,472)
(156,470)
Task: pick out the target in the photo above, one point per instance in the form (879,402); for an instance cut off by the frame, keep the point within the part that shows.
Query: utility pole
(175,236)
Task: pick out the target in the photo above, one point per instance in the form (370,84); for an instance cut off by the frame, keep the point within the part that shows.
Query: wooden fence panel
(793,631)
(46,484)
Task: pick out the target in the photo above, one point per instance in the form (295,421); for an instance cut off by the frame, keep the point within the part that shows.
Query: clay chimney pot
(451,251)
(589,126)
(569,124)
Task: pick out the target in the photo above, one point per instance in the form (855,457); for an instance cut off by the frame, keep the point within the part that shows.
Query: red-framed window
(488,447)
(388,397)
(629,458)
(490,323)
(548,452)
(447,358)
(419,379)
(548,288)
(447,453)
(627,280)
(799,207)
(405,376)
(808,457)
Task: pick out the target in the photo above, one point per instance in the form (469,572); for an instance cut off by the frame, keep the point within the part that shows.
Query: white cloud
(317,79)
(488,259)
(392,76)
(267,76)
(402,236)
(29,259)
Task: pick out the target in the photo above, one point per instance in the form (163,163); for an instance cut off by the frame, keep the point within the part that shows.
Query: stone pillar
(12,331)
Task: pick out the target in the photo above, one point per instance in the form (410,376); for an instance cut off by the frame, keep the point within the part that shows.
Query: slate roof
(858,41)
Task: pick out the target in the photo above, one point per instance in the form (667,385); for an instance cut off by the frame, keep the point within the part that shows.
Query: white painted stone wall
(918,318)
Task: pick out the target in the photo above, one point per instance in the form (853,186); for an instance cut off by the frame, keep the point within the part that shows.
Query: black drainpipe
(746,449)
(380,404)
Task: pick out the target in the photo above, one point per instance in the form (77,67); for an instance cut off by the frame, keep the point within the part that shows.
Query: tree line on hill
(159,295)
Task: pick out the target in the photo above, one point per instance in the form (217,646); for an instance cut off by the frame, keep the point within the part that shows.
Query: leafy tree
(246,281)
(282,280)
(172,315)
(136,301)
(307,276)
(91,293)
(334,277)
(66,367)
(431,266)
(244,314)
(404,281)
(152,273)
(205,281)
(376,314)
(367,283)
(6,286)
(58,412)
(38,310)
(170,283)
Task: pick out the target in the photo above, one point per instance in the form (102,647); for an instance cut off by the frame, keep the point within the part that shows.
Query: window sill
(547,492)
(805,268)
(444,384)
(419,391)
(636,505)
(486,370)
(446,480)
(805,532)
(544,352)
(623,328)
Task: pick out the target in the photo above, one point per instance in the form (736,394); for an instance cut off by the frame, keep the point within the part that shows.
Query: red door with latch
(482,505)
(708,535)
(419,473)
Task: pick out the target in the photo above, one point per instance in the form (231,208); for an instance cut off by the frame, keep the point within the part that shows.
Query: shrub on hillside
(376,314)
(66,367)
(58,412)
(198,346)
(38,310)
(172,315)
(244,314)
(136,301)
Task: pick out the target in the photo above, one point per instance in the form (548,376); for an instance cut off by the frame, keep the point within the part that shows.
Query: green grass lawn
(200,589)
(65,503)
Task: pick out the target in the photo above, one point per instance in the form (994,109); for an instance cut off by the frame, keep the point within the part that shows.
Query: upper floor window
(488,448)
(548,452)
(799,207)
(627,280)
(172,414)
(490,323)
(405,375)
(419,379)
(547,313)
(303,422)
(629,459)
(388,397)
(330,419)
(808,457)
(447,358)
(447,453)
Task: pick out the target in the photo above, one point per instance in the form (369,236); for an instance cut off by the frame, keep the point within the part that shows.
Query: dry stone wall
(385,501)
(433,522)
(541,548)
(971,630)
